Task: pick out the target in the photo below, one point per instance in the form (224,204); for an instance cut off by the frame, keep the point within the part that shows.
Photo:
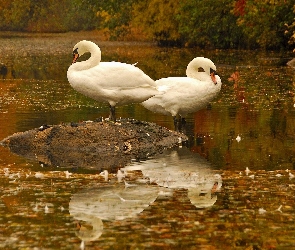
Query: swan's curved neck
(192,69)
(94,59)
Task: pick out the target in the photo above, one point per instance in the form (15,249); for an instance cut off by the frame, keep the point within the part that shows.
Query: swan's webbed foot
(112,116)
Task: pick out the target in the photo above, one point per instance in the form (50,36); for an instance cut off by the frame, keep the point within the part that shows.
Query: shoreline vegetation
(227,24)
(82,34)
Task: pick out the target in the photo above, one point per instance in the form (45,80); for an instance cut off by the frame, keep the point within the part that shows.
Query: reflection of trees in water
(7,72)
(3,71)
(36,67)
(262,115)
(278,121)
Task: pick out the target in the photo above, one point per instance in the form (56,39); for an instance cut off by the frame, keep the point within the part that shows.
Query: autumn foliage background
(223,24)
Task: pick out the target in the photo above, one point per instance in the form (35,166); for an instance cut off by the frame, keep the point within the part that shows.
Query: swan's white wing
(183,95)
(114,75)
(114,82)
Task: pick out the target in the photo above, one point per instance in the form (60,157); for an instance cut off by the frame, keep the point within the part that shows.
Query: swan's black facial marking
(75,55)
(213,71)
(212,74)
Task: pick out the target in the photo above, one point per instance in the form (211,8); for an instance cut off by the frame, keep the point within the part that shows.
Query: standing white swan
(184,95)
(113,82)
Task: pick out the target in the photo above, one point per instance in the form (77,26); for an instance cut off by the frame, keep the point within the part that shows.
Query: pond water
(194,197)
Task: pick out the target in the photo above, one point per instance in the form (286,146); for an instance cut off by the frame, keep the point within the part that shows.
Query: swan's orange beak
(75,57)
(212,74)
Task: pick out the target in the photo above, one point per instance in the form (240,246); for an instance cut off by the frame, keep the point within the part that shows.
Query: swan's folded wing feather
(182,95)
(113,75)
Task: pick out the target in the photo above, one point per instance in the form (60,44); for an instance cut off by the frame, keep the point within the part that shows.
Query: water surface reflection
(174,170)
(180,168)
(255,105)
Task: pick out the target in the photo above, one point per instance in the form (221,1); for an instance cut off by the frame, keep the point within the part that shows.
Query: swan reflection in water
(174,169)
(108,203)
(180,168)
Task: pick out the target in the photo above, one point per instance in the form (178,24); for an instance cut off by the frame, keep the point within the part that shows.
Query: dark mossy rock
(93,145)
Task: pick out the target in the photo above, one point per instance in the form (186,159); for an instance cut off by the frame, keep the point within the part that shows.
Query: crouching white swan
(184,95)
(113,82)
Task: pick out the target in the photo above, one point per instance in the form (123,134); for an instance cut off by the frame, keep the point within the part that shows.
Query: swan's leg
(112,116)
(175,120)
(182,125)
(177,123)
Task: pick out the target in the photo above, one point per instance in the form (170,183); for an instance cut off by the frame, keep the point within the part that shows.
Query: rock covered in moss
(93,145)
